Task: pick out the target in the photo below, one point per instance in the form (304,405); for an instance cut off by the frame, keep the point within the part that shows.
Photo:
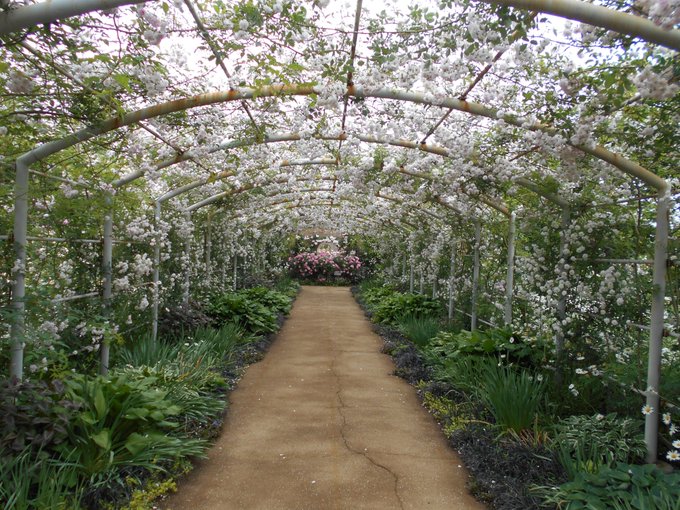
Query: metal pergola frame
(29,16)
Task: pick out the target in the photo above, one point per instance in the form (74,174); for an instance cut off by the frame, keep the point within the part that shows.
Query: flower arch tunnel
(415,187)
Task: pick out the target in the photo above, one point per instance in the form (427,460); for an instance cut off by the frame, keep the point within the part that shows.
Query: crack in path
(299,420)
(364,454)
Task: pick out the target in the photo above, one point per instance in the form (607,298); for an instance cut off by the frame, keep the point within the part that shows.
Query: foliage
(514,398)
(176,320)
(395,307)
(497,342)
(124,421)
(33,480)
(420,330)
(620,487)
(372,296)
(587,443)
(34,416)
(237,308)
(272,299)
(323,266)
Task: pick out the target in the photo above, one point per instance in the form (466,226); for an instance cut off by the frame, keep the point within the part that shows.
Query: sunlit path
(322,424)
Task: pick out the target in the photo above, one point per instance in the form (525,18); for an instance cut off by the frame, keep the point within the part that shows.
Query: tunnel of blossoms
(514,160)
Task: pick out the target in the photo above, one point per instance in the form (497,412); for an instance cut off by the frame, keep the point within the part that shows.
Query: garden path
(321,424)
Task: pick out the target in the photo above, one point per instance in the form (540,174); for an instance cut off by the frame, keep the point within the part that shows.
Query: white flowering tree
(155,152)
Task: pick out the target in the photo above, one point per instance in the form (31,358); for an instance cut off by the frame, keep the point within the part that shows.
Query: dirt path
(321,424)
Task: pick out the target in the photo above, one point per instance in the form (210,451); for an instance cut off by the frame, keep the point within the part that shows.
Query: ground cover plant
(95,442)
(491,393)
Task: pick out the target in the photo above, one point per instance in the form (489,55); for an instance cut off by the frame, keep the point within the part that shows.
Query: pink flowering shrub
(323,266)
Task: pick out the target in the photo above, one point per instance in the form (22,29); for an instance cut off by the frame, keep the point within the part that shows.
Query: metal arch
(600,16)
(324,161)
(43,151)
(214,198)
(433,149)
(599,152)
(53,10)
(47,12)
(412,212)
(366,220)
(228,173)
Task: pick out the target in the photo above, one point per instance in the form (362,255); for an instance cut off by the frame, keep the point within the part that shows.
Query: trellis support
(156,272)
(187,269)
(107,283)
(208,248)
(657,322)
(434,287)
(562,300)
(411,276)
(452,273)
(510,277)
(233,283)
(17,330)
(421,281)
(475,276)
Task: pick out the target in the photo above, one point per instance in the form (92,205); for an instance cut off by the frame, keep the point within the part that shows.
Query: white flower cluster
(20,83)
(665,13)
(68,190)
(654,86)
(157,27)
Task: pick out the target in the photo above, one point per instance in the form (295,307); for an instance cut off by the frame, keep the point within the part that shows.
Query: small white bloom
(647,409)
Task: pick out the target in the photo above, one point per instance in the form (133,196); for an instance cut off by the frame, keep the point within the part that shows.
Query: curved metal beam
(600,16)
(53,10)
(230,173)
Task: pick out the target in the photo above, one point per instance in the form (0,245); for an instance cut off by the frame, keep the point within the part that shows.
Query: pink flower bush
(323,266)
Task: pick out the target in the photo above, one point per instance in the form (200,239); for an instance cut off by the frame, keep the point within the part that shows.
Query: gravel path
(321,424)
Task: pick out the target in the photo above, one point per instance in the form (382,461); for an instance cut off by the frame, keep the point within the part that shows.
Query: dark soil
(503,469)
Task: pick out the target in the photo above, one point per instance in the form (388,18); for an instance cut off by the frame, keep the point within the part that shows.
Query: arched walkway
(321,423)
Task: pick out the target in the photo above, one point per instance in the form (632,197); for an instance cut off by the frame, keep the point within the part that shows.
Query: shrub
(586,443)
(237,308)
(497,342)
(420,330)
(621,487)
(34,415)
(397,306)
(180,319)
(274,300)
(324,266)
(124,421)
(514,398)
(36,481)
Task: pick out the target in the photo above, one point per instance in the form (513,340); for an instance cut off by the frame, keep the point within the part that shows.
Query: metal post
(434,287)
(475,276)
(562,301)
(452,272)
(187,269)
(657,322)
(156,273)
(510,278)
(411,275)
(17,331)
(107,284)
(421,284)
(233,283)
(208,248)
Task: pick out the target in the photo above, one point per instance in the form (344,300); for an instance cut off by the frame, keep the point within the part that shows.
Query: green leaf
(100,403)
(136,443)
(103,439)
